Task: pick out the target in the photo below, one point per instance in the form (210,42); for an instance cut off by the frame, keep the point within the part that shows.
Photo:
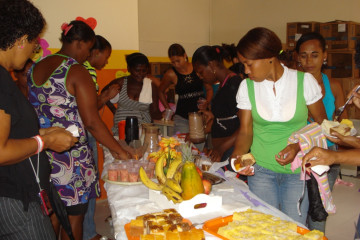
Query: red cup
(121,127)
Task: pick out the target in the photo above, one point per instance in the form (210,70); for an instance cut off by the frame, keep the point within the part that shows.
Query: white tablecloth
(128,201)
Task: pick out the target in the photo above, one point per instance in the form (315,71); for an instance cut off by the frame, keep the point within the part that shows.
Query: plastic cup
(151,165)
(112,172)
(168,114)
(205,163)
(124,175)
(133,174)
(149,171)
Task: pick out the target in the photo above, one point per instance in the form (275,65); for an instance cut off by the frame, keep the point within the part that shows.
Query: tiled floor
(103,225)
(340,226)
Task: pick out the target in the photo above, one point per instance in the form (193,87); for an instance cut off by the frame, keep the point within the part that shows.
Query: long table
(131,200)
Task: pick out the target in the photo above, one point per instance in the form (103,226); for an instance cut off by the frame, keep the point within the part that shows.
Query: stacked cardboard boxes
(294,30)
(341,40)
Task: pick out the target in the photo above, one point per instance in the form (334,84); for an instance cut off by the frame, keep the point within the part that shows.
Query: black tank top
(17,180)
(190,89)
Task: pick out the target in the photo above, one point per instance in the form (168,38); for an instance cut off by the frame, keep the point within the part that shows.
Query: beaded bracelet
(40,143)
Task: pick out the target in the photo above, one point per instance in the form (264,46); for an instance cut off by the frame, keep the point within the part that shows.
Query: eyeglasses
(37,48)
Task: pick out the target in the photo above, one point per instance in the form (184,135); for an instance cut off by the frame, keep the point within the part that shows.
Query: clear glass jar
(151,139)
(196,128)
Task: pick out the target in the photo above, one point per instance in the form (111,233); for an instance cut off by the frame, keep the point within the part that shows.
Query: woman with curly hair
(24,167)
(138,94)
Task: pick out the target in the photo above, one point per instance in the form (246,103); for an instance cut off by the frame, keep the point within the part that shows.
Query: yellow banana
(171,183)
(159,170)
(172,195)
(147,182)
(177,177)
(173,167)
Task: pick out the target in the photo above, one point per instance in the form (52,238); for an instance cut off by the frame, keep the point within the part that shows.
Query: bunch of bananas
(168,184)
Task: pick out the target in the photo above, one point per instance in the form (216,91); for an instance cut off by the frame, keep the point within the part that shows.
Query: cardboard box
(294,31)
(341,64)
(340,35)
(155,69)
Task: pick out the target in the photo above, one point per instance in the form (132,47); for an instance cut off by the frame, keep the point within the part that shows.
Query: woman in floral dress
(63,94)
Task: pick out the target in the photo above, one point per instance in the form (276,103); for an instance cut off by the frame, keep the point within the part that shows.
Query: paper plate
(353,132)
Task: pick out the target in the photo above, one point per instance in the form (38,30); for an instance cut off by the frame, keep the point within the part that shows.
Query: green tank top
(269,138)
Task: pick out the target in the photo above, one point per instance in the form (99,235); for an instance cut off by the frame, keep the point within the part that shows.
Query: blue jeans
(281,191)
(89,228)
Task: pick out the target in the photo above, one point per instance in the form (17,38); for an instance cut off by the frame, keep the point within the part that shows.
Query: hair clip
(66,27)
(217,50)
(281,51)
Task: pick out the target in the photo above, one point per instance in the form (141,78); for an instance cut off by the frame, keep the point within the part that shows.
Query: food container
(212,226)
(113,172)
(124,175)
(200,204)
(196,128)
(133,174)
(203,162)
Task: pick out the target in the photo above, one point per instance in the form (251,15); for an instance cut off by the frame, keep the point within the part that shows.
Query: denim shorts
(281,191)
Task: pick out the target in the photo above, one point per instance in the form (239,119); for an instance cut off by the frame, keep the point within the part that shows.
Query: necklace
(227,77)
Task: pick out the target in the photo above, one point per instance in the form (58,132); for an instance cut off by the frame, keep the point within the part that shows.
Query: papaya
(191,182)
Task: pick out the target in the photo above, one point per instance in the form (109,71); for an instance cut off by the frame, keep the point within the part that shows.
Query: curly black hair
(17,19)
(135,59)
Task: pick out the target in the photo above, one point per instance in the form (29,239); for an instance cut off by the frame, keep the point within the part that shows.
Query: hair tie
(66,27)
(281,51)
(217,50)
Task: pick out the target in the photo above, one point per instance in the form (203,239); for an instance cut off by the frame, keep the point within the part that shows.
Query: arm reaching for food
(322,156)
(347,141)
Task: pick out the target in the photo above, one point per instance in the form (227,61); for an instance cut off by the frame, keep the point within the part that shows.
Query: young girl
(223,122)
(312,56)
(274,102)
(187,85)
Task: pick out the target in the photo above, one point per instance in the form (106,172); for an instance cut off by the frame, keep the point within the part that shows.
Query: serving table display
(126,202)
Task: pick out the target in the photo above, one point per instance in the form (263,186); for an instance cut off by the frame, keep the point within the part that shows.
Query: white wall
(164,22)
(152,25)
(231,19)
(117,20)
